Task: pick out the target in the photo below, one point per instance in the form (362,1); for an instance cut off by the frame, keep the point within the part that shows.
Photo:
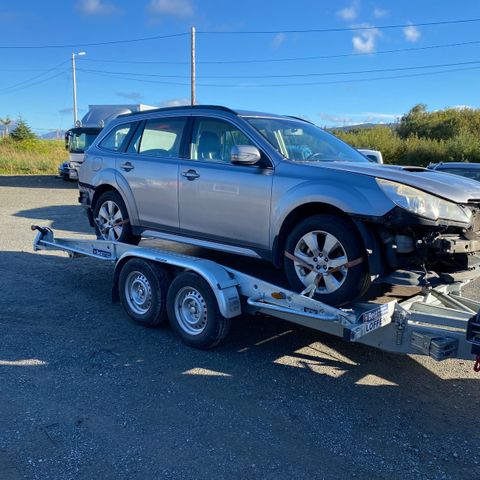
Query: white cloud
(412,33)
(328,117)
(379,12)
(349,13)
(365,40)
(96,7)
(278,39)
(175,102)
(176,8)
(463,107)
(136,96)
(380,117)
(360,118)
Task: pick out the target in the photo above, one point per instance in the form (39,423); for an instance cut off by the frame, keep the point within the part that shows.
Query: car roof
(240,113)
(448,165)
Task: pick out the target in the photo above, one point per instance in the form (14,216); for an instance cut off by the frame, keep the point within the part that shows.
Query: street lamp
(74,77)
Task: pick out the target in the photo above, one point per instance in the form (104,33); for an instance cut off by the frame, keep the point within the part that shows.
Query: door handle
(127,166)
(190,174)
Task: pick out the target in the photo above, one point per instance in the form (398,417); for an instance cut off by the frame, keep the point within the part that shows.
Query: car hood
(454,188)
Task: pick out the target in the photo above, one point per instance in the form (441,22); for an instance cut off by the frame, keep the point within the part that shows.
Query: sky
(256,70)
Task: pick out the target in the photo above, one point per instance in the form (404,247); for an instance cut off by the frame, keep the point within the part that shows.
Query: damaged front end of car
(419,245)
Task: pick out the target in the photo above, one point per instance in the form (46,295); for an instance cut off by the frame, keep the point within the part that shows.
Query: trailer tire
(142,288)
(193,312)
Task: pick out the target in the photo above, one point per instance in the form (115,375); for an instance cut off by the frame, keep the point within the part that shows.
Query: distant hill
(53,135)
(363,126)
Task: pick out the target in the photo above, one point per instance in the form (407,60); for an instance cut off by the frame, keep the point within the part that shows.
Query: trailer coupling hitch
(42,230)
(473,336)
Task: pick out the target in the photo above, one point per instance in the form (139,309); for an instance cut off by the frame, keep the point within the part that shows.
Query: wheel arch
(108,187)
(304,211)
(221,283)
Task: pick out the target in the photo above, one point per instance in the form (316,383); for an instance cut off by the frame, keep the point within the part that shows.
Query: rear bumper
(85,197)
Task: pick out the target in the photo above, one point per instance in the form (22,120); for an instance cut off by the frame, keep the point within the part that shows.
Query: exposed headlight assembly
(424,204)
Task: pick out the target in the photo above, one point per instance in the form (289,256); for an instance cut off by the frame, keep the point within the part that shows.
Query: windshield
(303,142)
(79,142)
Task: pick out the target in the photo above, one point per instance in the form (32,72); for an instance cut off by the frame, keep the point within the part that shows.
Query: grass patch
(32,156)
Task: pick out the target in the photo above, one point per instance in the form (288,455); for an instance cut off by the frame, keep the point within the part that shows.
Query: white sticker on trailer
(372,320)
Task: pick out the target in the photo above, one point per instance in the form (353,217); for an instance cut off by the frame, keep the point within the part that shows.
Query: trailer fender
(222,284)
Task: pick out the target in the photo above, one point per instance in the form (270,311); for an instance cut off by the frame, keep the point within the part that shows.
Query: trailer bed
(438,321)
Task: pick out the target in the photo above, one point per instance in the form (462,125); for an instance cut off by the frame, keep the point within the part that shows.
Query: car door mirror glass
(245,154)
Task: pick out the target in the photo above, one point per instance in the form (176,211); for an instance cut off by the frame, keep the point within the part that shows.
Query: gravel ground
(85,393)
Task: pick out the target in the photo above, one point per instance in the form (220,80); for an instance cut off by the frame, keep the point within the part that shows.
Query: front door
(219,200)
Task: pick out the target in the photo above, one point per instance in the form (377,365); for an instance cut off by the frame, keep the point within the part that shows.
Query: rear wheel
(111,219)
(324,247)
(193,312)
(142,288)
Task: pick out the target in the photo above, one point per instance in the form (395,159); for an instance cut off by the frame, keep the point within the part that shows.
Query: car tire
(313,241)
(108,209)
(193,312)
(142,289)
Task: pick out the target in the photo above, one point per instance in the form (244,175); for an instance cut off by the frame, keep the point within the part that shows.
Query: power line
(19,84)
(286,59)
(344,29)
(95,44)
(12,90)
(268,85)
(242,32)
(291,75)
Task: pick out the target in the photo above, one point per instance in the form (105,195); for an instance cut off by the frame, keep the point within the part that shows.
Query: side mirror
(245,154)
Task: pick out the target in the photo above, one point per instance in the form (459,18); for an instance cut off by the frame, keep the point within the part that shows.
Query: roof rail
(300,118)
(180,107)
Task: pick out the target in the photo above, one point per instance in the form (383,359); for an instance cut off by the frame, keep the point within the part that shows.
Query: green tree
(22,132)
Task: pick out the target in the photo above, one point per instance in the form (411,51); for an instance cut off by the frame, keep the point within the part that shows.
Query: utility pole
(74,78)
(193,100)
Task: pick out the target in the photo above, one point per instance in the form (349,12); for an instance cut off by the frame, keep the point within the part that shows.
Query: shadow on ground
(36,181)
(62,217)
(271,397)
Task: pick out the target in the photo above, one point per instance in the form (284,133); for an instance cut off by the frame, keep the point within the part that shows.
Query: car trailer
(200,297)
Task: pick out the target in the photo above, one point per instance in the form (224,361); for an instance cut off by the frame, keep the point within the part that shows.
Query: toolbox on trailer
(200,297)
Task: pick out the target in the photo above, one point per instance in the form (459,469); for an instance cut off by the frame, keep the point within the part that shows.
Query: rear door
(219,200)
(150,166)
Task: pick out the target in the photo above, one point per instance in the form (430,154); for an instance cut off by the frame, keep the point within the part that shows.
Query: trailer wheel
(193,312)
(142,287)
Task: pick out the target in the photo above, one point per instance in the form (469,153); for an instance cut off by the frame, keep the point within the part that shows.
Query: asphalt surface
(85,393)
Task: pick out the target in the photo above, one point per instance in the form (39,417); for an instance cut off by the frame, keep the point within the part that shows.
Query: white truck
(79,138)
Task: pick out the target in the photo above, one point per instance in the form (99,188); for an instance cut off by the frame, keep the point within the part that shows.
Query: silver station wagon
(279,188)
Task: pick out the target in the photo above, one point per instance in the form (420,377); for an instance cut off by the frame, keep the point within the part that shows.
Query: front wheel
(326,253)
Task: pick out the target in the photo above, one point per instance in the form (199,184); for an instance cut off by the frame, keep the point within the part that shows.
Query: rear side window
(116,138)
(161,137)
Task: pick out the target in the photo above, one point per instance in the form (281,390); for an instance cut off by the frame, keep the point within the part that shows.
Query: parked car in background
(79,138)
(281,189)
(372,155)
(469,170)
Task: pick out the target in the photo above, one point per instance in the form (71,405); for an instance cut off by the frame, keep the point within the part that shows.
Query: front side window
(116,138)
(213,140)
(160,137)
(303,142)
